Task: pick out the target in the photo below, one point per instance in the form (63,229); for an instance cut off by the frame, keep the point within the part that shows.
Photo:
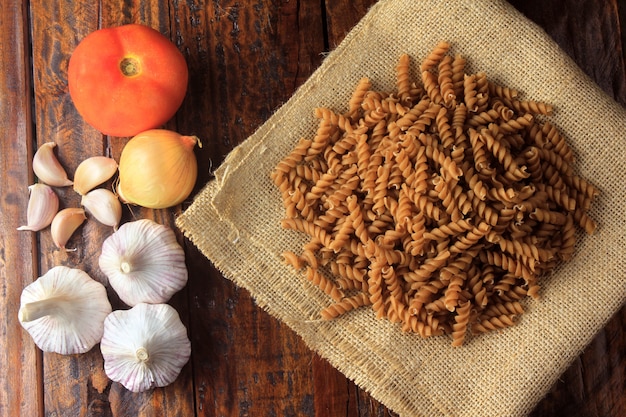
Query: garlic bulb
(64,311)
(65,224)
(144,347)
(92,172)
(47,167)
(43,205)
(104,206)
(144,262)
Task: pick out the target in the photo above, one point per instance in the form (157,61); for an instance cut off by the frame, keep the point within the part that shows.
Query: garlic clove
(104,206)
(144,262)
(64,311)
(144,347)
(48,168)
(65,224)
(92,172)
(43,205)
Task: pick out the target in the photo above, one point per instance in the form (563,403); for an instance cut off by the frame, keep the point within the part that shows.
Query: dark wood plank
(595,383)
(20,379)
(341,16)
(245,60)
(591,33)
(69,382)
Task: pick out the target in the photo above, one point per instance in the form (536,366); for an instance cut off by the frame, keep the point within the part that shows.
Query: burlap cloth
(235,219)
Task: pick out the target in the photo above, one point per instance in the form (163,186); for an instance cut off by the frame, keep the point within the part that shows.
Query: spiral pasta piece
(566,250)
(529,106)
(358,95)
(325,284)
(448,230)
(559,144)
(443,126)
(503,155)
(494,323)
(446,85)
(403,78)
(496,90)
(435,56)
(470,93)
(484,118)
(460,325)
(431,85)
(458,75)
(482,92)
(345,305)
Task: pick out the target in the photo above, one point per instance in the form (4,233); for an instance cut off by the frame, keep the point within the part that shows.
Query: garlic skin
(144,347)
(43,205)
(64,311)
(92,172)
(144,262)
(65,224)
(48,168)
(104,206)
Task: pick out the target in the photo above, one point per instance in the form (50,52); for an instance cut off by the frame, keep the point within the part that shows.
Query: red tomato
(127,79)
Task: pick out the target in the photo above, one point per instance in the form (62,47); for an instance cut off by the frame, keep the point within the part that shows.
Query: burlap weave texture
(235,219)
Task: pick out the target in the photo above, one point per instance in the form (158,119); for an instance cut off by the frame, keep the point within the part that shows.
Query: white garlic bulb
(143,262)
(64,311)
(144,347)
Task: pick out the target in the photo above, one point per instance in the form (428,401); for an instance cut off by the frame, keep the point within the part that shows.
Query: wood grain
(590,33)
(246,58)
(21,390)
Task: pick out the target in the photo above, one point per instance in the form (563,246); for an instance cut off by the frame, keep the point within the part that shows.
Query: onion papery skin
(157,169)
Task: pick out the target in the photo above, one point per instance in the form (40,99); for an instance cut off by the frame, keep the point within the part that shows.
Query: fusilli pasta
(439,205)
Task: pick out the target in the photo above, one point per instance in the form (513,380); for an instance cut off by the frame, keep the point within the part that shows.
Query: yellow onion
(157,169)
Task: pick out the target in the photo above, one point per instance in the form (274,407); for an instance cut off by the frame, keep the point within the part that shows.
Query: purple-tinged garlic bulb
(144,262)
(144,347)
(64,311)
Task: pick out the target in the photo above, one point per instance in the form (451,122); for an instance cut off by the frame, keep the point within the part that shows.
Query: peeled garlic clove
(64,311)
(92,172)
(144,347)
(144,262)
(48,168)
(43,205)
(65,224)
(104,206)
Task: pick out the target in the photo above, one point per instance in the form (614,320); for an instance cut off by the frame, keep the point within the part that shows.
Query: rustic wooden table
(246,58)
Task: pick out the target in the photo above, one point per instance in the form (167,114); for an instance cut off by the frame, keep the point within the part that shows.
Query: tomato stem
(129,67)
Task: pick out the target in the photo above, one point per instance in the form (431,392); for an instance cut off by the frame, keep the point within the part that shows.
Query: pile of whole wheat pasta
(439,204)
